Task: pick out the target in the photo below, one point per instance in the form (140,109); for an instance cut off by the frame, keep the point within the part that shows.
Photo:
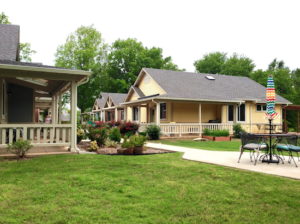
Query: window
(3,99)
(261,107)
(147,79)
(241,113)
(163,111)
(122,115)
(109,116)
(135,114)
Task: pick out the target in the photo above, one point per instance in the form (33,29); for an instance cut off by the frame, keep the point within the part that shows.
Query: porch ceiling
(58,79)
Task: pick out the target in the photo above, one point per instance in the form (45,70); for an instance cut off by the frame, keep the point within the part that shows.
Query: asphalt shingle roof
(9,42)
(196,86)
(138,91)
(118,98)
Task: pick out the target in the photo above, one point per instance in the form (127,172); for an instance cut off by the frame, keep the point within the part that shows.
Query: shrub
(138,140)
(126,144)
(237,128)
(207,132)
(20,147)
(94,146)
(80,135)
(128,134)
(111,124)
(110,143)
(101,137)
(153,131)
(114,134)
(143,133)
(128,127)
(216,133)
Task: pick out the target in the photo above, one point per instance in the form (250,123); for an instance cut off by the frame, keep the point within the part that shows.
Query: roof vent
(210,77)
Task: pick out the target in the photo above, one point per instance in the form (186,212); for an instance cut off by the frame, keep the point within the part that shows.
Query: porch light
(40,82)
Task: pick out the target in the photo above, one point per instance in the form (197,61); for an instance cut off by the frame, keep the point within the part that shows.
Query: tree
(212,63)
(219,63)
(84,50)
(125,61)
(26,52)
(4,19)
(238,65)
(25,49)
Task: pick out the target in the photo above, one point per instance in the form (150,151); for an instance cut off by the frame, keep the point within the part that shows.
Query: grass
(141,189)
(232,145)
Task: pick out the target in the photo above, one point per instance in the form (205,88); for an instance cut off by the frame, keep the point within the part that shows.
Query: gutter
(44,69)
(185,99)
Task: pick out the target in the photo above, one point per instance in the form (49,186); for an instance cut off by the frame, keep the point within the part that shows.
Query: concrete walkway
(230,159)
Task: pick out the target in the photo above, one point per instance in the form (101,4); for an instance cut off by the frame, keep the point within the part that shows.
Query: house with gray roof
(107,107)
(186,102)
(25,88)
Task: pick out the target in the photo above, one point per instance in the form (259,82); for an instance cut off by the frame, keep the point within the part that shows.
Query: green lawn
(141,189)
(233,145)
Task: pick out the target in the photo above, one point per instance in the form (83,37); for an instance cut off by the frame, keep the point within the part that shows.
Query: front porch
(28,88)
(179,118)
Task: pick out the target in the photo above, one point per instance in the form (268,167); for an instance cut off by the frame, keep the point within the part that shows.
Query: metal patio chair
(290,145)
(252,143)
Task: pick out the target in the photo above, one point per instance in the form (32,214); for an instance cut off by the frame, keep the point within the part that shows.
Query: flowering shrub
(128,127)
(113,124)
(100,124)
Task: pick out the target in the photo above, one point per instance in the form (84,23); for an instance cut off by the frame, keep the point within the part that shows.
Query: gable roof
(9,42)
(117,98)
(190,85)
(102,99)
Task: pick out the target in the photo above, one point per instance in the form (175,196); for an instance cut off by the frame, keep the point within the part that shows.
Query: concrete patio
(230,159)
(39,151)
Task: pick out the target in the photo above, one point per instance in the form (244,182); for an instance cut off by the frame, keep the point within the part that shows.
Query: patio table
(268,157)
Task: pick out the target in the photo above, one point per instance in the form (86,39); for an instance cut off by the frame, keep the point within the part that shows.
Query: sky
(186,30)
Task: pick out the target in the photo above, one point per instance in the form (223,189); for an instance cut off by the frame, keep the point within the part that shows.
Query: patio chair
(259,127)
(253,144)
(290,145)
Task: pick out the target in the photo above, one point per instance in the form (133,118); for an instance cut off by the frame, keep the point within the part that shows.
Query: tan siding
(150,88)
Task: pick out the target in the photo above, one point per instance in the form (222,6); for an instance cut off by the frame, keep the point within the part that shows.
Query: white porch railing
(42,135)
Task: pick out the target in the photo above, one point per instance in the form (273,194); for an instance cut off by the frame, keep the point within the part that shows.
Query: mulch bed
(113,151)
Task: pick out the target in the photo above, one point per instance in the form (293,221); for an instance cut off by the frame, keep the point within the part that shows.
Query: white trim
(43,69)
(3,98)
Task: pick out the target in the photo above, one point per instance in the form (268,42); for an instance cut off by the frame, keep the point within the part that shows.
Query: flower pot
(121,151)
(128,151)
(138,150)
(208,137)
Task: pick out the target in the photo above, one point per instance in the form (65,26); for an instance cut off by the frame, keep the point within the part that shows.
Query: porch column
(158,113)
(125,113)
(56,109)
(116,114)
(200,126)
(140,119)
(285,127)
(52,110)
(250,117)
(60,109)
(73,116)
(104,115)
(234,113)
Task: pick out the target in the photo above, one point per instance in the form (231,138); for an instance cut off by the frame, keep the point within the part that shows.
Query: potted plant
(128,146)
(138,142)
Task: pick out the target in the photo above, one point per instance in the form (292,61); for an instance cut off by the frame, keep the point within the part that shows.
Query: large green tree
(212,63)
(84,50)
(25,48)
(127,58)
(219,63)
